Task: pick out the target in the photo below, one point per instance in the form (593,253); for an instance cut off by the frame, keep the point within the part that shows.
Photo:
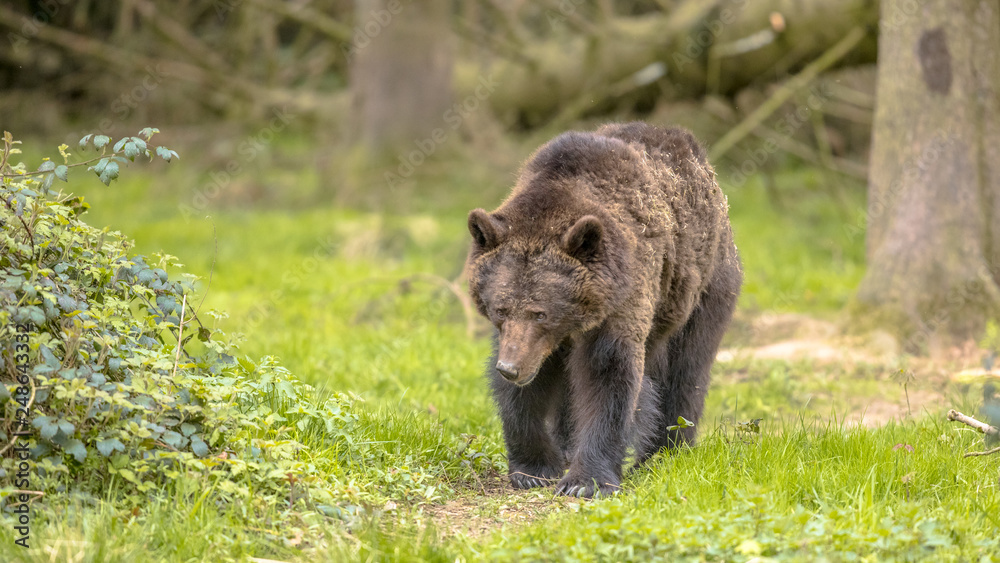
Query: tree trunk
(402,61)
(934,182)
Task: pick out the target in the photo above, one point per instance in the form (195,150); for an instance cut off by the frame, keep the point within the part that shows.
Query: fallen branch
(978,425)
(785,92)
(309,17)
(969,421)
(987,452)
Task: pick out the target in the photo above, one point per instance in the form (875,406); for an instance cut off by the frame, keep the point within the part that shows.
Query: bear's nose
(507,370)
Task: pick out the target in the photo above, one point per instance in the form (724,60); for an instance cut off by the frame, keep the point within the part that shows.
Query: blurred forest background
(407,107)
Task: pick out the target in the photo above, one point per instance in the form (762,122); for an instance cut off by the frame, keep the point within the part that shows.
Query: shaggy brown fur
(610,274)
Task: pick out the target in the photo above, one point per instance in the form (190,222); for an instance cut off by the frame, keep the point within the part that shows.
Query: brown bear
(610,275)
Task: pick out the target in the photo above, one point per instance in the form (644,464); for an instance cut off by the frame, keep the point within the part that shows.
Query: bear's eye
(501,312)
(540,316)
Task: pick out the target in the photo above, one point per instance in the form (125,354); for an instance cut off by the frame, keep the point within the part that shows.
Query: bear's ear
(483,229)
(583,240)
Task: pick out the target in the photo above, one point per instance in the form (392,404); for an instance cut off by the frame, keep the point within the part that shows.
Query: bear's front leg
(533,456)
(605,380)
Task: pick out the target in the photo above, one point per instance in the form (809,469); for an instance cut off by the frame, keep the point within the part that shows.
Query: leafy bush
(126,390)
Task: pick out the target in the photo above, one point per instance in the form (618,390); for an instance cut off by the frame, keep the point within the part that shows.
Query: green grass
(353,301)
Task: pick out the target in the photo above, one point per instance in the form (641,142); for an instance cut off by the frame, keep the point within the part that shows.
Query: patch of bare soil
(878,412)
(796,338)
(496,504)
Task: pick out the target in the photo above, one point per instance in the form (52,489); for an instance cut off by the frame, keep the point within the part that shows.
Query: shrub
(121,387)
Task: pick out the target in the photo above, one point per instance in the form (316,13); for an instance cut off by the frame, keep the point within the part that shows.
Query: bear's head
(537,291)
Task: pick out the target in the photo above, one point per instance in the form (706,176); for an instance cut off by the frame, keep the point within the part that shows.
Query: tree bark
(934,184)
(401,72)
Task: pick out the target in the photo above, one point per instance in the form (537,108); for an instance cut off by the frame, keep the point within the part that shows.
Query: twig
(180,336)
(575,20)
(308,17)
(987,452)
(74,165)
(786,91)
(978,425)
(175,32)
(236,87)
(211,271)
(969,421)
(805,152)
(27,231)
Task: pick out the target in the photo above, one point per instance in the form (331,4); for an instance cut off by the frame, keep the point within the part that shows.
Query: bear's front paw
(529,478)
(586,487)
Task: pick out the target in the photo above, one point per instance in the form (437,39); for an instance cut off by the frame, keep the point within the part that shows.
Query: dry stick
(980,426)
(308,17)
(805,152)
(682,18)
(969,421)
(180,336)
(175,32)
(786,91)
(234,86)
(987,452)
(575,20)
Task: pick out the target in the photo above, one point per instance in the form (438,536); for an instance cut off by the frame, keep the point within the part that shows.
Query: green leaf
(76,449)
(46,166)
(247,364)
(128,475)
(165,153)
(62,172)
(172,438)
(101,165)
(286,389)
(110,173)
(48,357)
(108,447)
(47,181)
(131,150)
(198,446)
(148,132)
(85,140)
(188,429)
(66,426)
(121,143)
(101,140)
(48,430)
